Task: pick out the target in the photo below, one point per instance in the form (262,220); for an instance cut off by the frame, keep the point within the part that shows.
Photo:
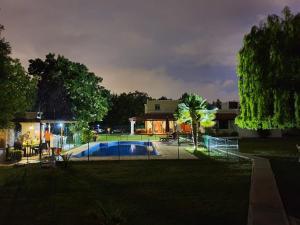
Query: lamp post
(61,134)
(39,116)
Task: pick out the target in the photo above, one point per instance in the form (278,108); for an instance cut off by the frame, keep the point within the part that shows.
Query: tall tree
(269,74)
(124,106)
(68,90)
(17,88)
(164,98)
(193,110)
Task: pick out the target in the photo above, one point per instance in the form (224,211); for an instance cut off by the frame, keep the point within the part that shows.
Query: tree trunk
(195,134)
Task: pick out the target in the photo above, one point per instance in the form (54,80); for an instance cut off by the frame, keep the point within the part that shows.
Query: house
(159,119)
(227,112)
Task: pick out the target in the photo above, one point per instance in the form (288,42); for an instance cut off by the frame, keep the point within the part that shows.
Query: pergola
(34,127)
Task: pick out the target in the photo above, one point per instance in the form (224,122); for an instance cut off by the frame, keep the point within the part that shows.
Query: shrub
(18,145)
(263,133)
(15,155)
(86,136)
(234,134)
(65,160)
(108,215)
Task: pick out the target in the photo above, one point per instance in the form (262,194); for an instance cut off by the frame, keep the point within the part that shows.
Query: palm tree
(193,110)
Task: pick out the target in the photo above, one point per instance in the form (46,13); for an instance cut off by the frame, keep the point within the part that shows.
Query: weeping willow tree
(193,110)
(269,74)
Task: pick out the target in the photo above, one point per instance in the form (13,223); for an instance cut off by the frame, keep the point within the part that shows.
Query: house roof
(170,116)
(33,117)
(154,116)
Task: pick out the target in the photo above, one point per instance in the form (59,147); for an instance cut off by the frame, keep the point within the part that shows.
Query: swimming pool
(122,148)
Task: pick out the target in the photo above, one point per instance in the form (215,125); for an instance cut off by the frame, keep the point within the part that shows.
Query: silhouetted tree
(124,106)
(68,90)
(17,88)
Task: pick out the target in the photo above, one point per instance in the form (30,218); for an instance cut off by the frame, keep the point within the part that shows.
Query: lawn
(283,156)
(127,137)
(269,147)
(287,174)
(144,192)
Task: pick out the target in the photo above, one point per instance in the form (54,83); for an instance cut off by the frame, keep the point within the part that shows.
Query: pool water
(122,148)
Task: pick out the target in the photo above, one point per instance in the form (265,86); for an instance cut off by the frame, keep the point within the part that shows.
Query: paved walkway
(265,204)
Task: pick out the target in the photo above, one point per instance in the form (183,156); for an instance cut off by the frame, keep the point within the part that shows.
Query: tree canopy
(269,74)
(68,90)
(124,106)
(17,88)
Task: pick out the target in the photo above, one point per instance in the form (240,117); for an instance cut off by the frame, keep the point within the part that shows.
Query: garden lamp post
(61,134)
(39,116)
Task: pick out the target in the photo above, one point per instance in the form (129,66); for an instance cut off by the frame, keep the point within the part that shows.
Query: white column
(132,122)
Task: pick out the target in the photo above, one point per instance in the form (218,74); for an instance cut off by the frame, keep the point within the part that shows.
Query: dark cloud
(164,47)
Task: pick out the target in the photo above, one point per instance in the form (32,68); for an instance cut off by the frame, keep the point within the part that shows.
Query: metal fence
(225,147)
(147,147)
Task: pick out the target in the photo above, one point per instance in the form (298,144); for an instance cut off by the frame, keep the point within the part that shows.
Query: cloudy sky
(162,47)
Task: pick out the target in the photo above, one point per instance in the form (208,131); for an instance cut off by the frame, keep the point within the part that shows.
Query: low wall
(276,133)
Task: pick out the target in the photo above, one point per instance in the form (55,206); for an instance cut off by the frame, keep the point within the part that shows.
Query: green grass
(268,147)
(283,155)
(147,192)
(127,137)
(203,153)
(287,174)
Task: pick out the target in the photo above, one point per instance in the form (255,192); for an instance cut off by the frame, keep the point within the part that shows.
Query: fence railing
(217,143)
(128,137)
(225,147)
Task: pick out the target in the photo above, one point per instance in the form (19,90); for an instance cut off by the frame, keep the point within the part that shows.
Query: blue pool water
(122,148)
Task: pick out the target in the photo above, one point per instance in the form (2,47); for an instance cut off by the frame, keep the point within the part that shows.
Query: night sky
(163,47)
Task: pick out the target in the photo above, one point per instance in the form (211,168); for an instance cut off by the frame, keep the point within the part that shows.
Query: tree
(193,110)
(124,106)
(217,104)
(68,90)
(164,98)
(17,88)
(269,74)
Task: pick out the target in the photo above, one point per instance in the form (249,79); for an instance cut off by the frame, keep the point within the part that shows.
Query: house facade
(159,119)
